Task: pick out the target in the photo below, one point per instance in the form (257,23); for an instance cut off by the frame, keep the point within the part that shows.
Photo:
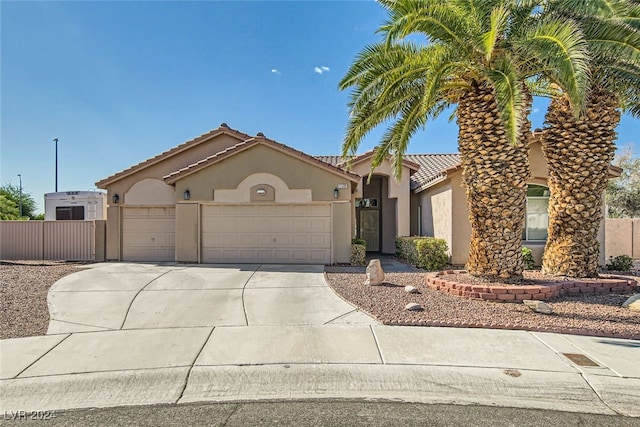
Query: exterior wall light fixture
(261,192)
(116,199)
(187,194)
(336,193)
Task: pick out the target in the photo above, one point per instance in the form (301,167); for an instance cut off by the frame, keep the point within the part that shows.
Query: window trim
(526,216)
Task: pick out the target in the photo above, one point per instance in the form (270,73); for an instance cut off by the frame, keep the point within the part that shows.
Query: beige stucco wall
(272,185)
(167,166)
(295,173)
(231,181)
(622,237)
(460,225)
(293,180)
(100,240)
(113,233)
(341,232)
(537,162)
(437,209)
(389,223)
(187,229)
(399,190)
(150,191)
(619,236)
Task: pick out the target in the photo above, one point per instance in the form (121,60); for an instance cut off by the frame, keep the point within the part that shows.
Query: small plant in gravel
(527,256)
(620,263)
(358,252)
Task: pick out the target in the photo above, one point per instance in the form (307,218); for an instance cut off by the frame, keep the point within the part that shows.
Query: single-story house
(229,197)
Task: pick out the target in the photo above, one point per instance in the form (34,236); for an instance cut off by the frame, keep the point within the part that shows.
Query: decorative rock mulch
(453,282)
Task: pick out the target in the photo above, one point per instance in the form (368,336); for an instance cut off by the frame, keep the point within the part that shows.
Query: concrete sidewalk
(137,334)
(431,365)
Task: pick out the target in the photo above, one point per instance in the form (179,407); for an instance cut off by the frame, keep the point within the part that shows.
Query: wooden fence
(85,240)
(52,240)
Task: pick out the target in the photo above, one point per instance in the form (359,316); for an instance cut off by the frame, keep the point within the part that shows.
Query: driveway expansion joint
(43,355)
(193,364)
(244,288)
(375,339)
(124,321)
(600,398)
(340,317)
(104,328)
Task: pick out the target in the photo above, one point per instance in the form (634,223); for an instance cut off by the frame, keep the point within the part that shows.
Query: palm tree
(580,149)
(477,56)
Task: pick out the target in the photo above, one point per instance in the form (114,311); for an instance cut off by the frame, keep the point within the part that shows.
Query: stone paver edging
(444,281)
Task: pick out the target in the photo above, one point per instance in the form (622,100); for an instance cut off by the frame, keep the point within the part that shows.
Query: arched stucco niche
(150,191)
(283,194)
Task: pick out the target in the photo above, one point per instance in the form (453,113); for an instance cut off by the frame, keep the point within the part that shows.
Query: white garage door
(266,233)
(148,234)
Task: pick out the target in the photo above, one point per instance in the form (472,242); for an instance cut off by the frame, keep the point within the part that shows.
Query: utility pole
(20,178)
(56,141)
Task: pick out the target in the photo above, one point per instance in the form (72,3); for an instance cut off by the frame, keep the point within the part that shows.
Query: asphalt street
(317,413)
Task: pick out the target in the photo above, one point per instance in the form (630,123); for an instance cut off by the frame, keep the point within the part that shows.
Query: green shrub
(428,253)
(358,252)
(406,249)
(527,255)
(620,263)
(432,253)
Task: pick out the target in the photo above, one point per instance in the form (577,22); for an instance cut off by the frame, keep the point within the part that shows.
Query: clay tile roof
(260,139)
(364,156)
(430,167)
(433,167)
(332,160)
(222,129)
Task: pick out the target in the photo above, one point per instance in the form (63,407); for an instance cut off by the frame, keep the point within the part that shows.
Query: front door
(370,228)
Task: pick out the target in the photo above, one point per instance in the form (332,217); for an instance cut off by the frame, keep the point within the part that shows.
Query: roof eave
(171,153)
(365,156)
(430,184)
(173,177)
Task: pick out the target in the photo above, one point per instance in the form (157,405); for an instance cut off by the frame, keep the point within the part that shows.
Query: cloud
(274,71)
(321,69)
(535,110)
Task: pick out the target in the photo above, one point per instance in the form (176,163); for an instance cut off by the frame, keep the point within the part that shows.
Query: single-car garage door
(266,233)
(148,234)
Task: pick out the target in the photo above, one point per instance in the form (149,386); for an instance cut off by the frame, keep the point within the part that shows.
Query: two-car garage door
(266,233)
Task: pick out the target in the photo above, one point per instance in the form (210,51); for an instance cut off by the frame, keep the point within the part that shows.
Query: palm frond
(498,21)
(509,96)
(562,55)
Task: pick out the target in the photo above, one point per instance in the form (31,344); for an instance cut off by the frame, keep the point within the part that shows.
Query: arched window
(537,216)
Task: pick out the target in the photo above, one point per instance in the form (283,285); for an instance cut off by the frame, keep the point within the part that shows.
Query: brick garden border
(541,290)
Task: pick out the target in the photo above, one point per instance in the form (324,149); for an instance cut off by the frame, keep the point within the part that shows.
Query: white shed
(75,205)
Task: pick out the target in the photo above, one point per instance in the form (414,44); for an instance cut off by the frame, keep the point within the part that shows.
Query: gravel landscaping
(23,295)
(596,314)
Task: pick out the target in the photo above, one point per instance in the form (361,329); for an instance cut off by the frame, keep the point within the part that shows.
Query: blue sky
(119,82)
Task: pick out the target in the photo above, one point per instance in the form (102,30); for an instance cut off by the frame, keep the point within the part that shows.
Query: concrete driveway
(114,296)
(141,334)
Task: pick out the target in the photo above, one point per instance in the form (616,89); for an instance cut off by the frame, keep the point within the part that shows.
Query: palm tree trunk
(578,154)
(495,175)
